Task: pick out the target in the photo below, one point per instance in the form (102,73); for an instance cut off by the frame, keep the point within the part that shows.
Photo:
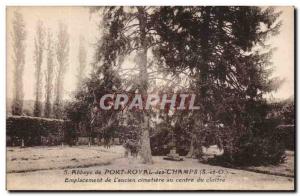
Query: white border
(150,2)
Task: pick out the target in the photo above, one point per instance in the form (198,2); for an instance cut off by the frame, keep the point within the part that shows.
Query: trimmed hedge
(36,131)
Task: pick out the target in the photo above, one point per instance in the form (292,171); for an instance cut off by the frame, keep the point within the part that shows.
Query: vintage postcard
(142,98)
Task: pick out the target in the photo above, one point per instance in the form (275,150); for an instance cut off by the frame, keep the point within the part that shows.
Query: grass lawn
(57,157)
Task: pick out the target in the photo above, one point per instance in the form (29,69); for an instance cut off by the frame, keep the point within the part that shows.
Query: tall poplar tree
(62,57)
(39,47)
(49,75)
(81,60)
(19,46)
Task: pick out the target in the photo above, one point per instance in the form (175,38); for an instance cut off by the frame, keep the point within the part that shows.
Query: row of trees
(57,54)
(219,53)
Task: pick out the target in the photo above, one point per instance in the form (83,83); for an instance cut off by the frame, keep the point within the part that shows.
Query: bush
(161,142)
(287,132)
(36,131)
(264,145)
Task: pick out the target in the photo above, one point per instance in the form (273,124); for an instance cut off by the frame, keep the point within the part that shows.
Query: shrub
(287,133)
(263,145)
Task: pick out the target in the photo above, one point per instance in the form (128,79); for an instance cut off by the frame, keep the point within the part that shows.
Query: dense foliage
(224,51)
(36,131)
(223,54)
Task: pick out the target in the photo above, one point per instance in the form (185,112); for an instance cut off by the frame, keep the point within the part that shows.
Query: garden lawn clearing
(59,157)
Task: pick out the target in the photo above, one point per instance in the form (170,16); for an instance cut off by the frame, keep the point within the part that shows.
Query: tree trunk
(196,143)
(192,149)
(145,141)
(22,143)
(145,136)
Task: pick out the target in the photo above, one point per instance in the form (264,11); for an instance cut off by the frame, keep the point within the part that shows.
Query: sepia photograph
(150,98)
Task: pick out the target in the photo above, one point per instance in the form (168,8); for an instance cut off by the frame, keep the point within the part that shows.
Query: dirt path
(131,174)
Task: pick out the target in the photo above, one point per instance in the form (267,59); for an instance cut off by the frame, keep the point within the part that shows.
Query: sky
(80,22)
(283,57)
